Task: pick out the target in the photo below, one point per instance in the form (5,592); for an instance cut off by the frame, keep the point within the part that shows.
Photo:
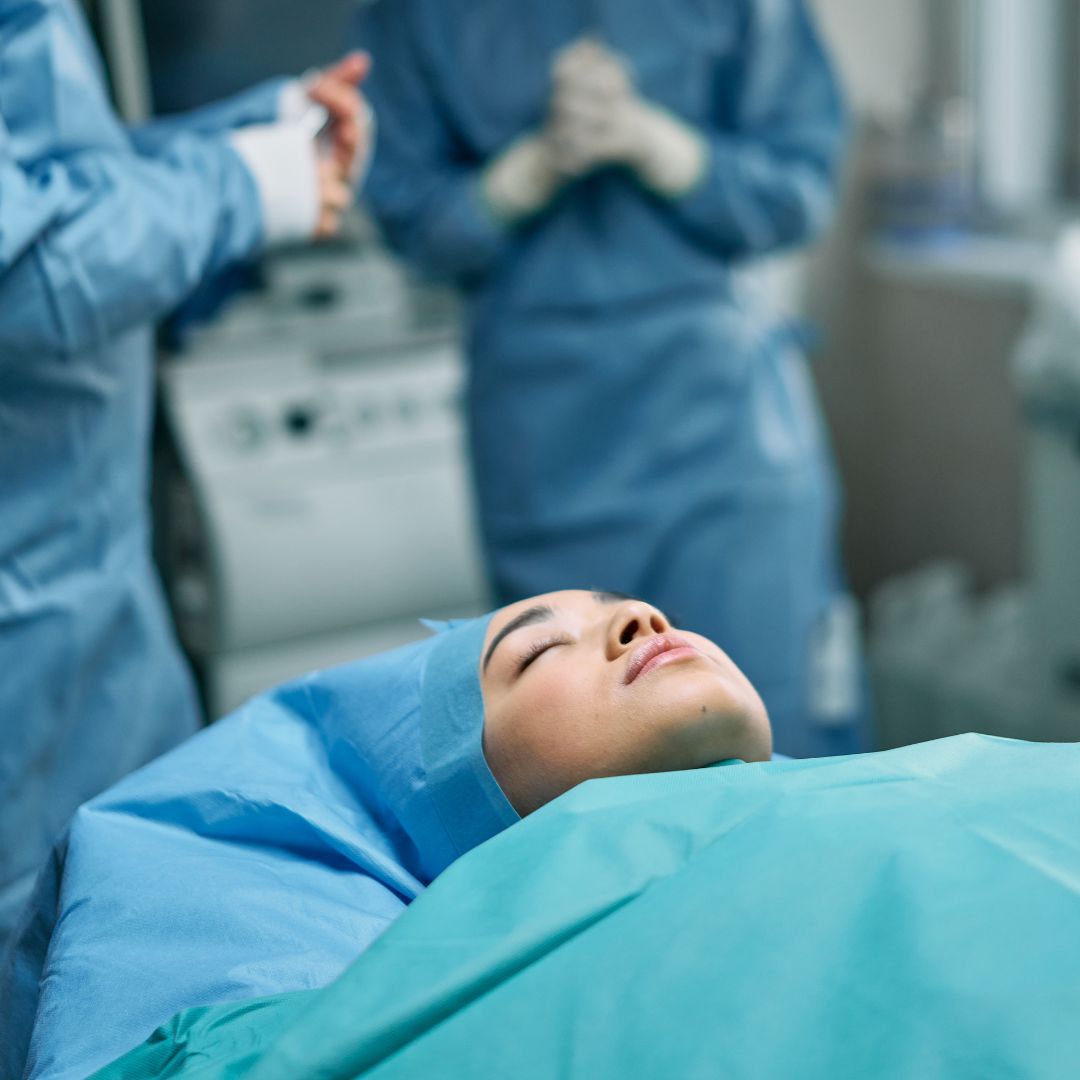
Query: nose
(630,621)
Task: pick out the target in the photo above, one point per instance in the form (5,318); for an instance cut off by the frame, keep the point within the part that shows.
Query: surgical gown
(636,423)
(260,857)
(102,232)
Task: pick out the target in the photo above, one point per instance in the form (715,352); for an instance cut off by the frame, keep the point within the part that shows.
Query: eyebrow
(542,613)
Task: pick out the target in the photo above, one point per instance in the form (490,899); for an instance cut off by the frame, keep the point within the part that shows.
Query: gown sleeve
(775,146)
(259,104)
(100,241)
(95,238)
(423,188)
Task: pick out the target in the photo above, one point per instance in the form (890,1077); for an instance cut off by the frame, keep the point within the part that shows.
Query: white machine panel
(331,490)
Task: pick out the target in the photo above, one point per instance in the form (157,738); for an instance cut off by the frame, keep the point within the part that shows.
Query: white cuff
(282,159)
(293,100)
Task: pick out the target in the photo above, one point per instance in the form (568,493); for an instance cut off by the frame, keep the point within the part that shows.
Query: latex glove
(598,119)
(523,179)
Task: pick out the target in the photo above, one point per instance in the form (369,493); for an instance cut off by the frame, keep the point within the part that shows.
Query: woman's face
(581,684)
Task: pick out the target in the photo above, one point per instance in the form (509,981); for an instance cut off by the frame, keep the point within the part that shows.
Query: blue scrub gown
(635,423)
(102,232)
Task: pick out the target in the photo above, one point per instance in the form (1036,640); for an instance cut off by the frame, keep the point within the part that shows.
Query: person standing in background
(590,174)
(103,231)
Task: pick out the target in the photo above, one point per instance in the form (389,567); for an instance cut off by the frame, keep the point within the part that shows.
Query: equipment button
(300,420)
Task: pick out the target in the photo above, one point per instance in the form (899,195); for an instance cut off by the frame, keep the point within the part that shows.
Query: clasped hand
(595,118)
(595,113)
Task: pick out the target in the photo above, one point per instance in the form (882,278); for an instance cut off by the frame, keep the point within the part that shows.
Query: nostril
(629,632)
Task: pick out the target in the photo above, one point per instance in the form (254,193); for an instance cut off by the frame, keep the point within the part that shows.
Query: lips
(656,650)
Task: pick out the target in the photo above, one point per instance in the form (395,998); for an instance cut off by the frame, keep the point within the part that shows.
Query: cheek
(553,727)
(560,718)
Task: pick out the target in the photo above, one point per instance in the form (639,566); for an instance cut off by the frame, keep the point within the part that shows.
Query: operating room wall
(913,370)
(926,427)
(879,49)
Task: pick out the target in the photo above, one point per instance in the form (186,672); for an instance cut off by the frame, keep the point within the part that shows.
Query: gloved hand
(598,118)
(523,179)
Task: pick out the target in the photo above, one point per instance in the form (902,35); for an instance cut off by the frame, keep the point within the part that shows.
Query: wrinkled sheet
(261,856)
(913,913)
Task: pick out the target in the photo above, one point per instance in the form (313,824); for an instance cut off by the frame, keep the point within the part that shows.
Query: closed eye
(536,649)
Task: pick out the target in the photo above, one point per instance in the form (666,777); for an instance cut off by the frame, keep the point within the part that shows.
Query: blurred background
(311,491)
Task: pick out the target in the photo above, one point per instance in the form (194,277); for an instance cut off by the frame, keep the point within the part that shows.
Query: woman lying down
(911,913)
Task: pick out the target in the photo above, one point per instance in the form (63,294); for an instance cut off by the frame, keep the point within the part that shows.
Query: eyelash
(535,649)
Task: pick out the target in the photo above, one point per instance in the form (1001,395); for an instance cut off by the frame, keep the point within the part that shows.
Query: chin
(757,744)
(741,730)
